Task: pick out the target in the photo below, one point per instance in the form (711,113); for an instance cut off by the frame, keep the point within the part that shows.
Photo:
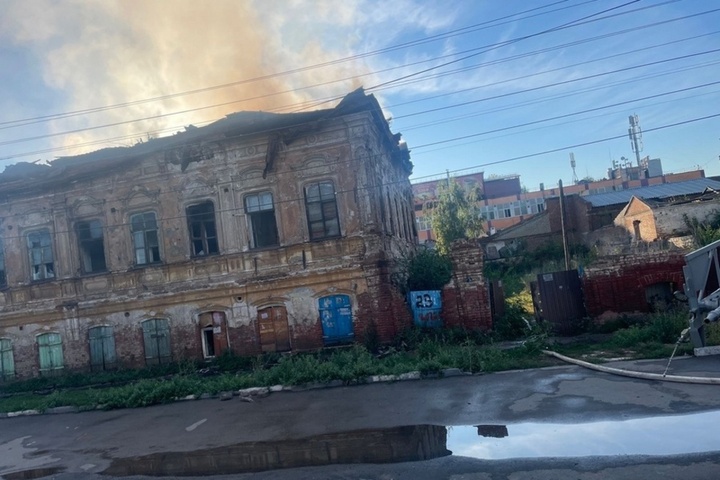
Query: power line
(386,184)
(441,36)
(294,171)
(288,91)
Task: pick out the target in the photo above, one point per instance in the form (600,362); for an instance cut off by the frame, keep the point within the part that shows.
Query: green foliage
(515,322)
(429,351)
(704,233)
(428,270)
(456,216)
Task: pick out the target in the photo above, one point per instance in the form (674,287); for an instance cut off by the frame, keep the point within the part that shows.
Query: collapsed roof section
(25,177)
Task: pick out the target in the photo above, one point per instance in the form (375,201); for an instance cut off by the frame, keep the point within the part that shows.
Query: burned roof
(15,177)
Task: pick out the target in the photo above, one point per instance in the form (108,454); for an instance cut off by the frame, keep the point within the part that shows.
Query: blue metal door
(336,318)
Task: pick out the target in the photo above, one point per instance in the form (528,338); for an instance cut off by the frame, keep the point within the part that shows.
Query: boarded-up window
(145,238)
(203,234)
(261,219)
(102,348)
(322,212)
(92,246)
(274,329)
(3,277)
(156,336)
(50,352)
(42,264)
(7,362)
(336,318)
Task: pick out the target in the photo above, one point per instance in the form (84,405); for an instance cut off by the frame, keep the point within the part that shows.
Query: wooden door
(274,330)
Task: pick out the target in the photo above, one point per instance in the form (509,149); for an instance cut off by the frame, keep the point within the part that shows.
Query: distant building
(503,202)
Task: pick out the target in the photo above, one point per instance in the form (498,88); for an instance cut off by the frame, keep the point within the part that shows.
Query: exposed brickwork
(349,153)
(618,285)
(466,300)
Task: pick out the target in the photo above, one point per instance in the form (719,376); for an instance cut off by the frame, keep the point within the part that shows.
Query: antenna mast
(572,164)
(635,134)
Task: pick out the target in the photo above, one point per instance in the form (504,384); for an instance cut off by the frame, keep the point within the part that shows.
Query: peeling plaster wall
(374,201)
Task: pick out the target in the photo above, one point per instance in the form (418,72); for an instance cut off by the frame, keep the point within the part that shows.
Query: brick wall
(466,300)
(618,285)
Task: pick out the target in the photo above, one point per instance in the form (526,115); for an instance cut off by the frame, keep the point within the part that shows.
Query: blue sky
(472,84)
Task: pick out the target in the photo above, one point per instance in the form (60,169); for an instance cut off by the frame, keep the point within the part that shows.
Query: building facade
(260,232)
(504,203)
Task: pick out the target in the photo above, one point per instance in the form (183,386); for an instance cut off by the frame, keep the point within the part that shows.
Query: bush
(428,270)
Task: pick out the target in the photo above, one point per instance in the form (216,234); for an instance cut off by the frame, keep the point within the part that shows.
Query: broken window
(321,210)
(7,362)
(92,246)
(261,220)
(201,223)
(50,352)
(145,238)
(3,277)
(213,331)
(42,265)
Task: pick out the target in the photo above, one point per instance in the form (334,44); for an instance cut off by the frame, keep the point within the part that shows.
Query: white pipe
(633,374)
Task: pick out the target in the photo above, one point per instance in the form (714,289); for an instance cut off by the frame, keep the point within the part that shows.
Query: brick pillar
(466,299)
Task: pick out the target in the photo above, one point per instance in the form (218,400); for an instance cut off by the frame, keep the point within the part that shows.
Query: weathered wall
(374,201)
(619,283)
(466,299)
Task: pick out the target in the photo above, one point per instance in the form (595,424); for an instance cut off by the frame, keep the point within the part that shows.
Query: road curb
(248,394)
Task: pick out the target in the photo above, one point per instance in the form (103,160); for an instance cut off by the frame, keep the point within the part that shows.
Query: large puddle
(669,435)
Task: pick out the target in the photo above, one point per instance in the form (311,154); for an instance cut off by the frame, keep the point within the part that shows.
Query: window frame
(52,349)
(7,368)
(49,247)
(205,239)
(327,233)
(254,214)
(147,250)
(86,241)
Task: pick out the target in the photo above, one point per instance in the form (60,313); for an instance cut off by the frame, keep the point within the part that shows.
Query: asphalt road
(575,423)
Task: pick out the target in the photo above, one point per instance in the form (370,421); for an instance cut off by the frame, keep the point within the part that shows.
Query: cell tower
(635,134)
(572,164)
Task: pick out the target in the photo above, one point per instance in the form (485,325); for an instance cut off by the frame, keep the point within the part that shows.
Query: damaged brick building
(259,232)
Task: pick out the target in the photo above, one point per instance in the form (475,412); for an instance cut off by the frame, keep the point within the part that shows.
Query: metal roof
(665,190)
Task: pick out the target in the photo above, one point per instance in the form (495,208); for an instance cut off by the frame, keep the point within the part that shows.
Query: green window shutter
(50,351)
(7,362)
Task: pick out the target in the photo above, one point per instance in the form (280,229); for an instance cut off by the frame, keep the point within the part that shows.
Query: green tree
(704,233)
(456,216)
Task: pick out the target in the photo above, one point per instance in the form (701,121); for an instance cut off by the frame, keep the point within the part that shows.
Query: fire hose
(634,374)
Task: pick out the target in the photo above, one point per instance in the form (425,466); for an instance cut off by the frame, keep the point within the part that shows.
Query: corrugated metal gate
(558,300)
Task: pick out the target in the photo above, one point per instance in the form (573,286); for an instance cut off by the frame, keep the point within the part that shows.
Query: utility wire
(227,103)
(429,39)
(380,185)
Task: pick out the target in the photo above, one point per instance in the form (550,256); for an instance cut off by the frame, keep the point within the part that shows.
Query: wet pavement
(560,422)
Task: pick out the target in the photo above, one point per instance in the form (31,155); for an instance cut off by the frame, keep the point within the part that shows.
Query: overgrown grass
(427,351)
(423,351)
(638,336)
